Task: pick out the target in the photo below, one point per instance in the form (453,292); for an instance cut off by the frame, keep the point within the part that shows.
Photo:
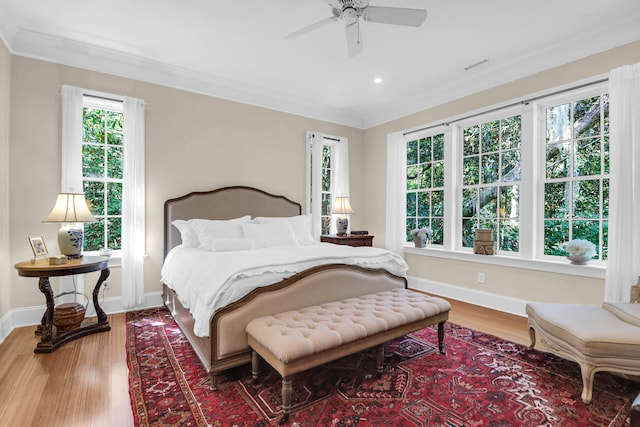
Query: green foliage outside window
(576,188)
(490,178)
(325,215)
(425,186)
(103,171)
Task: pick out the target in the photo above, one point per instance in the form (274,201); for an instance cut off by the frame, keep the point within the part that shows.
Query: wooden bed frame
(226,346)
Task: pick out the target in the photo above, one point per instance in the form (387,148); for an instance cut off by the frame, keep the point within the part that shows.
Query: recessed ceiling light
(377,80)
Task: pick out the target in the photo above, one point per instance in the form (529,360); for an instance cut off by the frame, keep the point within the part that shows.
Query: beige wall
(520,283)
(193,142)
(5,102)
(197,142)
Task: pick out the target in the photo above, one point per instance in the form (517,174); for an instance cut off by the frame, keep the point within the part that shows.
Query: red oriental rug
(481,381)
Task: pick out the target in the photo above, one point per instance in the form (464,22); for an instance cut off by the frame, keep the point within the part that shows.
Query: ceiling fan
(350,11)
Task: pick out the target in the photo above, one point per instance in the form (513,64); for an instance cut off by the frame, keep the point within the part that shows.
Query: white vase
(420,242)
(579,259)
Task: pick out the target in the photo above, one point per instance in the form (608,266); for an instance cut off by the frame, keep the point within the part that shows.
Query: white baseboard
(29,316)
(481,298)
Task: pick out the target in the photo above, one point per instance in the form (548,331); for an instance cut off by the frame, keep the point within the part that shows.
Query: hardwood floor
(85,382)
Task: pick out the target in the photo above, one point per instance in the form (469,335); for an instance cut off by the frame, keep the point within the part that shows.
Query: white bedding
(206,281)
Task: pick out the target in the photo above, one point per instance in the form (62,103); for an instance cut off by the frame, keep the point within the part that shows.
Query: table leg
(104,275)
(47,320)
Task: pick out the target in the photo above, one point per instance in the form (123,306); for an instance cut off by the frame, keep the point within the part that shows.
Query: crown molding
(62,51)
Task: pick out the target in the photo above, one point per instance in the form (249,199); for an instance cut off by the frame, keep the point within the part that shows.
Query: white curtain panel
(71,169)
(315,142)
(314,194)
(341,180)
(623,264)
(396,183)
(133,204)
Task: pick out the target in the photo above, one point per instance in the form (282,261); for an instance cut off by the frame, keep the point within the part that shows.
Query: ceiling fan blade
(311,28)
(395,15)
(334,3)
(354,39)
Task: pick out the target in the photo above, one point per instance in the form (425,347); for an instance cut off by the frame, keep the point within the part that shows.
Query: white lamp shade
(70,207)
(342,206)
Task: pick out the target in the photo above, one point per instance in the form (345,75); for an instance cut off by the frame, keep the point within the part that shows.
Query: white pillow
(272,234)
(229,245)
(209,230)
(301,225)
(189,238)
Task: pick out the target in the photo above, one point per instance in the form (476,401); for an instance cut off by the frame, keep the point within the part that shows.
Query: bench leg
(286,399)
(255,365)
(441,337)
(380,359)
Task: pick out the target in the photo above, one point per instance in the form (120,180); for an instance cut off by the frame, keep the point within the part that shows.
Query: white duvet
(206,281)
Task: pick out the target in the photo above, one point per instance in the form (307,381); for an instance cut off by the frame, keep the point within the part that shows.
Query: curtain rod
(328,137)
(513,104)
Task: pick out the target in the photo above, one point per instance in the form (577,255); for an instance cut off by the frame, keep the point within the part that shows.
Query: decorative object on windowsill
(421,236)
(580,251)
(483,243)
(342,207)
(106,252)
(70,209)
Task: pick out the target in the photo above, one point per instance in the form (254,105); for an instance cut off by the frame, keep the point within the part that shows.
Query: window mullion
(530,183)
(452,187)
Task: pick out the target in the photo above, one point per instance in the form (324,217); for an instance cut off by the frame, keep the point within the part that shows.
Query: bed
(222,344)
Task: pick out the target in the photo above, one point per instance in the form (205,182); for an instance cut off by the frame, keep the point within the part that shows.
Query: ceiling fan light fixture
(349,15)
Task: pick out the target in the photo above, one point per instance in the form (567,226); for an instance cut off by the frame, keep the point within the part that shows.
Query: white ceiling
(236,50)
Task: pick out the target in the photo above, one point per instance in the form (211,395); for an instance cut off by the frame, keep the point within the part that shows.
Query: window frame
(97,101)
(531,201)
(541,106)
(331,143)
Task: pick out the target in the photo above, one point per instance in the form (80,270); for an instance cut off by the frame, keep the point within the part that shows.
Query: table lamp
(70,209)
(342,207)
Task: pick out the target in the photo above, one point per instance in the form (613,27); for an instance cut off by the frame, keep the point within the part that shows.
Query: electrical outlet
(106,284)
(480,277)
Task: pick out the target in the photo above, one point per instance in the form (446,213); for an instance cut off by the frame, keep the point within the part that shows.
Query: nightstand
(50,337)
(349,239)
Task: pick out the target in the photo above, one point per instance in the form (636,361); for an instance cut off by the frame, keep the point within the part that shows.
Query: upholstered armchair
(598,338)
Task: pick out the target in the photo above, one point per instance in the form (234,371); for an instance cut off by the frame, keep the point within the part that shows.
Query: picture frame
(38,247)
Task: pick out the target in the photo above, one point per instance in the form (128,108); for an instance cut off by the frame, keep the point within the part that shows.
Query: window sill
(114,261)
(595,269)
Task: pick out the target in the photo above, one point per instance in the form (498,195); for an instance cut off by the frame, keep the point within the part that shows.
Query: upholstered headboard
(223,203)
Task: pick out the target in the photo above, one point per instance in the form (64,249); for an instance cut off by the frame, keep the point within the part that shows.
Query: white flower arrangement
(581,248)
(424,232)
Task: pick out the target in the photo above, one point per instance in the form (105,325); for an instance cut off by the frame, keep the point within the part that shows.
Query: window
(327,188)
(327,178)
(425,186)
(491,154)
(536,173)
(576,181)
(103,172)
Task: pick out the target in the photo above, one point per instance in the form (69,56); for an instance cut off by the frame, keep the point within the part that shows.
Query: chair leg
(588,372)
(532,337)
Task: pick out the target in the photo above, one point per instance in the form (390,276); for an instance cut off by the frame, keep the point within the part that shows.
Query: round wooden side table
(50,339)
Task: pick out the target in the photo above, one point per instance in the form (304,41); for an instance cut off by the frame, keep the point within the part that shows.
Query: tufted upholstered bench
(598,338)
(298,340)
